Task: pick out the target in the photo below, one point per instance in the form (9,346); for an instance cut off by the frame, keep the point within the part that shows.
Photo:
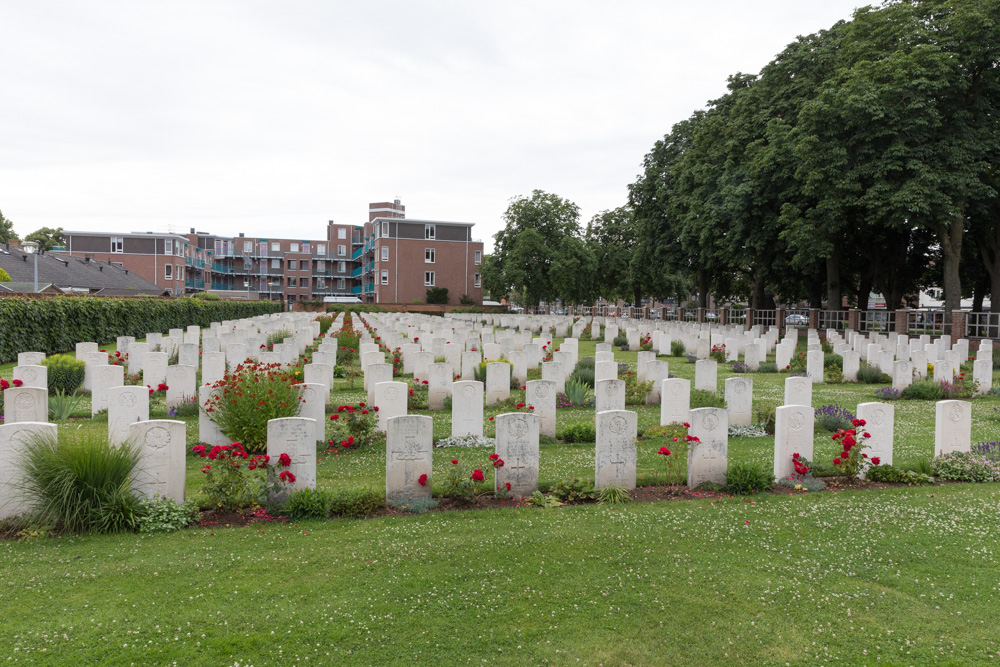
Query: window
(385,253)
(428,278)
(304,283)
(168,271)
(294,247)
(428,255)
(293,265)
(385,230)
(479,257)
(321,283)
(293,282)
(385,277)
(168,248)
(179,272)
(275,246)
(341,233)
(478,280)
(320,249)
(116,244)
(341,283)
(320,265)
(341,267)
(305,265)
(179,250)
(120,265)
(248,247)
(276,264)
(341,251)
(429,232)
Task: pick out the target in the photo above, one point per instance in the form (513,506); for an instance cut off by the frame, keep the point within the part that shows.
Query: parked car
(711,316)
(797,320)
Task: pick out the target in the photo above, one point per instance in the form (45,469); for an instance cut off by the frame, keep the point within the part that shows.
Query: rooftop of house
(70,273)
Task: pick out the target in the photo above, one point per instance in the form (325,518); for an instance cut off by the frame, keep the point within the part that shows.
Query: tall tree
(7,232)
(527,246)
(612,238)
(46,237)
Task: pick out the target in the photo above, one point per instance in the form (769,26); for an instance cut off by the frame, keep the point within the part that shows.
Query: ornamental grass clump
(250,396)
(79,483)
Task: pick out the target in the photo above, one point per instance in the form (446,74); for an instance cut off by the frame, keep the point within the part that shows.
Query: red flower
(686,425)
(361,404)
(284,460)
(376,408)
(364,412)
(664,451)
(491,418)
(198,449)
(876,460)
(425,382)
(287,476)
(454,462)
(867,434)
(836,462)
(477,475)
(498,463)
(206,468)
(520,405)
(508,485)
(423,480)
(795,456)
(18,383)
(334,417)
(494,457)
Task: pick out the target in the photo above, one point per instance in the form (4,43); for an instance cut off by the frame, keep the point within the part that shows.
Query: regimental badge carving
(796,421)
(710,422)
(878,417)
(29,375)
(956,413)
(157,438)
(740,387)
(612,388)
(541,390)
(391,394)
(469,392)
(127,400)
(618,425)
(518,427)
(676,389)
(24,402)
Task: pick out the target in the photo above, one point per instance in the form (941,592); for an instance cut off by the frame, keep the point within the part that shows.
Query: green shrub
(767,367)
(835,375)
(870,374)
(80,483)
(415,505)
(578,432)
(356,503)
(62,406)
(886,473)
(65,373)
(164,515)
(249,399)
(206,296)
(924,390)
(613,495)
(574,490)
(437,295)
(584,376)
(966,467)
(620,340)
(278,336)
(579,394)
(57,324)
(831,360)
(586,362)
(309,504)
(747,478)
(922,465)
(677,348)
(701,398)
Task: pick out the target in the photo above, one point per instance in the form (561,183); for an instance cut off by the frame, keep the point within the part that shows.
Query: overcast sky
(271,118)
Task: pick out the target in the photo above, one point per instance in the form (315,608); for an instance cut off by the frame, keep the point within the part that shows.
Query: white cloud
(272,118)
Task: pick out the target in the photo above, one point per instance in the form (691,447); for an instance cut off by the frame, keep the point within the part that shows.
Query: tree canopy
(7,232)
(46,237)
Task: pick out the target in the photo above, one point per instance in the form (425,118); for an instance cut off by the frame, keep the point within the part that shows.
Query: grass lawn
(901,576)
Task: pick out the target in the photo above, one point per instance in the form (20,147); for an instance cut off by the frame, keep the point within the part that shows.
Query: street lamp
(31,247)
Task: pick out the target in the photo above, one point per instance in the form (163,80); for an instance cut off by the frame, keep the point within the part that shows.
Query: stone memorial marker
(605,370)
(491,352)
(32,376)
(316,373)
(739,401)
(919,360)
(382,372)
(126,406)
(208,430)
(325,358)
(236,354)
(880,421)
(615,460)
(517,445)
(103,380)
(391,400)
(851,365)
(798,391)
(519,367)
(213,367)
(706,374)
(439,385)
(902,375)
(553,370)
(497,382)
(542,395)
(642,365)
(600,357)
(609,395)
(83,349)
(944,371)
(93,361)
(295,436)
(470,361)
(982,376)
(422,365)
(137,356)
(952,427)
(30,358)
(314,408)
(181,385)
(814,366)
(408,458)
(467,408)
(675,401)
(14,438)
(752,357)
(160,471)
(793,434)
(656,372)
(707,460)
(188,355)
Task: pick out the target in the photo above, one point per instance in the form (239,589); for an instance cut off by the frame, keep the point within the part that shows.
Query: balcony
(191,283)
(356,289)
(357,254)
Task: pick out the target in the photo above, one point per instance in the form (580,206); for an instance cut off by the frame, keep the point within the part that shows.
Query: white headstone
(542,395)
(208,430)
(739,400)
(181,385)
(188,355)
(880,419)
(616,450)
(497,382)
(32,376)
(793,434)
(707,459)
(160,471)
(675,401)
(154,369)
(30,358)
(391,400)
(439,385)
(814,366)
(137,356)
(952,427)
(656,372)
(381,372)
(14,438)
(553,370)
(902,375)
(517,446)
(605,370)
(609,395)
(126,406)
(982,375)
(706,374)
(467,408)
(93,361)
(25,404)
(798,391)
(408,456)
(295,436)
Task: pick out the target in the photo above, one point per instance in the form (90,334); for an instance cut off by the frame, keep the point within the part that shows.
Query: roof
(72,273)
(156,235)
(25,288)
(424,222)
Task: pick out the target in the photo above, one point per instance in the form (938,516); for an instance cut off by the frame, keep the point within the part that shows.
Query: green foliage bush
(356,503)
(924,390)
(437,295)
(574,490)
(164,515)
(65,373)
(309,504)
(583,375)
(870,374)
(767,367)
(677,348)
(206,296)
(886,473)
(706,399)
(831,360)
(620,340)
(578,432)
(80,483)
(966,467)
(748,478)
(59,323)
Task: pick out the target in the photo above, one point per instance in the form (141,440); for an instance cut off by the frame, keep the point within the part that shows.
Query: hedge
(57,324)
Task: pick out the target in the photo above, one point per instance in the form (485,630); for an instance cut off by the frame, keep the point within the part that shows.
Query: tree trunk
(978,295)
(757,300)
(637,296)
(834,297)
(702,288)
(989,250)
(951,249)
(865,282)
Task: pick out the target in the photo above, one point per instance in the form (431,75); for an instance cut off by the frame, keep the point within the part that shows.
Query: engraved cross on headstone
(411,452)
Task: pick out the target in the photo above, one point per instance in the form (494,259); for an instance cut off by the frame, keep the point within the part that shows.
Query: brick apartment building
(387,260)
